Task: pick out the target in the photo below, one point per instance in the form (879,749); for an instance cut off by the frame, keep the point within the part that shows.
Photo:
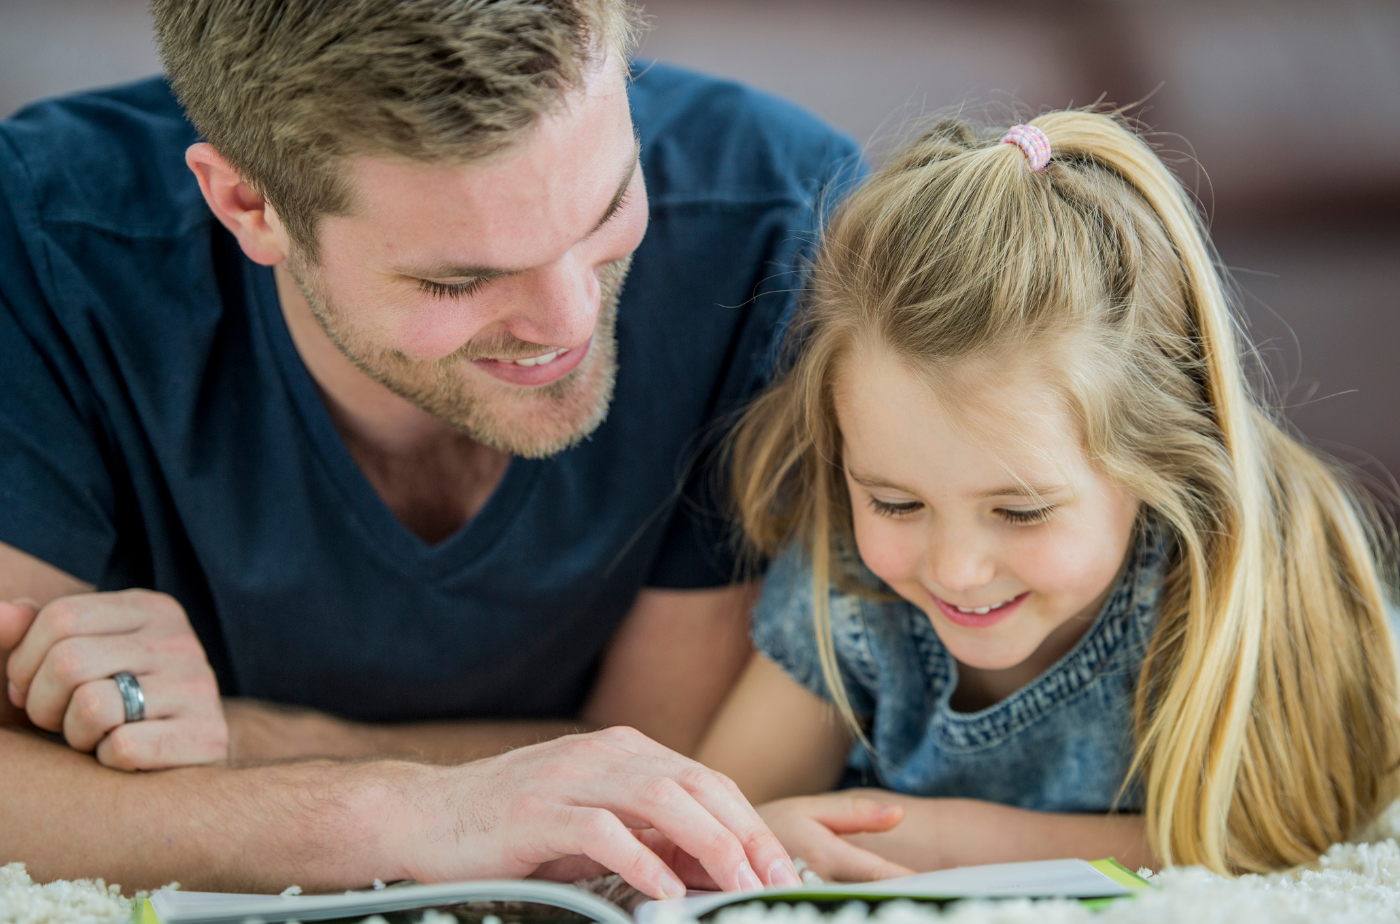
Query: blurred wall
(1283,116)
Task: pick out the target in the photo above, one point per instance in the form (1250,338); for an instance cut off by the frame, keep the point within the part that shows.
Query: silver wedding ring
(133,700)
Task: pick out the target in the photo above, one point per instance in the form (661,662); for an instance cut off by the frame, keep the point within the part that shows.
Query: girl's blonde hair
(1266,712)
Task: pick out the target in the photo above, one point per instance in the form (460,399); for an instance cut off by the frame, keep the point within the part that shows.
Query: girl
(1038,544)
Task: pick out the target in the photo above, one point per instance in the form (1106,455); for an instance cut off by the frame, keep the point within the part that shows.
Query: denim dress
(1062,743)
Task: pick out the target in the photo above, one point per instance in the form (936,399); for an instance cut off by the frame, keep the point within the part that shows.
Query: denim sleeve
(784,630)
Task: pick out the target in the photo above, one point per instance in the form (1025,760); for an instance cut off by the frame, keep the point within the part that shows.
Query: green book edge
(143,913)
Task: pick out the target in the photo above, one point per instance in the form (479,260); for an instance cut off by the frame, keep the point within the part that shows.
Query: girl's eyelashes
(1026,517)
(887,509)
(450,289)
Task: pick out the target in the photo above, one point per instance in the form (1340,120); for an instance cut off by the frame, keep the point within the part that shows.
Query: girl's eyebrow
(1020,490)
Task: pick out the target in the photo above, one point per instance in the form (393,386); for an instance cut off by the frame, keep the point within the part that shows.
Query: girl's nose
(958,563)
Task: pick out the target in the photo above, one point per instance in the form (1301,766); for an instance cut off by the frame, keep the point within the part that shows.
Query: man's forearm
(266,731)
(212,827)
(939,833)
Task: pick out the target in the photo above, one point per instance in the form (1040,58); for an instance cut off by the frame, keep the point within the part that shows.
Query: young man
(336,400)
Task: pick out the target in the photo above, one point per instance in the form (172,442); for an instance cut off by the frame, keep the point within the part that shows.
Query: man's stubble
(529,422)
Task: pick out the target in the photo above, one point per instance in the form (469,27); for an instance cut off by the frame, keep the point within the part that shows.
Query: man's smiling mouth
(540,360)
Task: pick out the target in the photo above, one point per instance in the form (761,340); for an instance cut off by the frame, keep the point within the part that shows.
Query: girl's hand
(810,827)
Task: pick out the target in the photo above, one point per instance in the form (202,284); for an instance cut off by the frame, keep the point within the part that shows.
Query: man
(337,401)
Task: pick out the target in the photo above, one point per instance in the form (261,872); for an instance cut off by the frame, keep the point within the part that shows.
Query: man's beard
(529,422)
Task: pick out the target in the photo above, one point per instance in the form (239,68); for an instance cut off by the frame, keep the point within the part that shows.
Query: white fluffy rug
(1353,883)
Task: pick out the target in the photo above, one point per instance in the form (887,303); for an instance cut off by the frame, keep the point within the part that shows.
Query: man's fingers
(72,662)
(159,745)
(857,814)
(598,834)
(66,617)
(94,709)
(673,809)
(721,817)
(15,619)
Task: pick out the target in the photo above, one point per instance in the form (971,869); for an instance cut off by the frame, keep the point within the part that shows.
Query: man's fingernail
(671,887)
(748,879)
(783,873)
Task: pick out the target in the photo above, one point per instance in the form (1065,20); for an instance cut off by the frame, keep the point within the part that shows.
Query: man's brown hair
(287,89)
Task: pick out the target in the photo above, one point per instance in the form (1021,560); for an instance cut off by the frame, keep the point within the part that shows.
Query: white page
(181,907)
(1039,879)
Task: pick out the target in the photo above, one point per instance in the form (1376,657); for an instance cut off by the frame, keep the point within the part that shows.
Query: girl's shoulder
(867,620)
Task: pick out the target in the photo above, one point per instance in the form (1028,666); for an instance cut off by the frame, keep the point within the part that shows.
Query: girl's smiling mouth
(982,616)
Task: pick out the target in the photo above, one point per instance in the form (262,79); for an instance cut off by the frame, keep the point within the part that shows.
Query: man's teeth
(539,360)
(981,610)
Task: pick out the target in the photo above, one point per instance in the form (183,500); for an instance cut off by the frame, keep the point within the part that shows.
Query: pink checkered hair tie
(1032,142)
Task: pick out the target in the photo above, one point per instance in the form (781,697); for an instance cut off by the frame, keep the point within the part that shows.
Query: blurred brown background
(1283,115)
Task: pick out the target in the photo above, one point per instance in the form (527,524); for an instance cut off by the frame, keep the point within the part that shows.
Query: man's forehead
(553,182)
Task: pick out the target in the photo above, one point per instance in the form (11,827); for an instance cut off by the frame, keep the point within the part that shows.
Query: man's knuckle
(88,705)
(63,616)
(67,661)
(124,749)
(661,791)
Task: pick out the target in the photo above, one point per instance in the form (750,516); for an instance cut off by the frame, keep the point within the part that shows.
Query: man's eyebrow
(464,271)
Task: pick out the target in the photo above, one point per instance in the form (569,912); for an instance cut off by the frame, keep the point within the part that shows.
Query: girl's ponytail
(1267,709)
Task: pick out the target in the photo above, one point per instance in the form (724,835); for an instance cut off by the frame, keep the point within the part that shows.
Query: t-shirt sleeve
(56,495)
(701,547)
(784,631)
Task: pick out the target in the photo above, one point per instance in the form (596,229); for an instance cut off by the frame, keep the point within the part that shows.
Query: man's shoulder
(705,138)
(112,159)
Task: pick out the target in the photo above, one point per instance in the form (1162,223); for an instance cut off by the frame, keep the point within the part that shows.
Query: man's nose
(561,305)
(958,562)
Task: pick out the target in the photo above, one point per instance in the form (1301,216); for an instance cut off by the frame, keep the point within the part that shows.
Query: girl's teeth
(540,360)
(980,610)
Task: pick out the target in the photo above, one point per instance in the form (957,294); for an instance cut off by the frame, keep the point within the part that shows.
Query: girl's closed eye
(451,289)
(893,508)
(1027,517)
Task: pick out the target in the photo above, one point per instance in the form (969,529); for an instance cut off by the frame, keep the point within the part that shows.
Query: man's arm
(665,673)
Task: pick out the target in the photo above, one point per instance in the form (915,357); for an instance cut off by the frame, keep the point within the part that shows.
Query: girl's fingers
(843,862)
(846,814)
(599,835)
(72,662)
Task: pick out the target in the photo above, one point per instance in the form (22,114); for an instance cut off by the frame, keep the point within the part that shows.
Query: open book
(1081,879)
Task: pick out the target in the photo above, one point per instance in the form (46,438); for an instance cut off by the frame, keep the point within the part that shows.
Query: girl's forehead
(979,422)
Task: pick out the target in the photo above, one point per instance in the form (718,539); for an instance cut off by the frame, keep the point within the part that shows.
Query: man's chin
(533,423)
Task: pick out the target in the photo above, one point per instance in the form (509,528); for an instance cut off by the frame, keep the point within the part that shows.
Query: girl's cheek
(893,554)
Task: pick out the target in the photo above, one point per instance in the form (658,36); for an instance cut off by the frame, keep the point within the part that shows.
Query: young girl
(1067,583)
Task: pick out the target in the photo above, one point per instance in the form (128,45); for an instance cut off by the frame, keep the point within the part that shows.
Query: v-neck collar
(383,532)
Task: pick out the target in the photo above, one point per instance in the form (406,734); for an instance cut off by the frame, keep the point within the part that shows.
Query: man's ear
(238,206)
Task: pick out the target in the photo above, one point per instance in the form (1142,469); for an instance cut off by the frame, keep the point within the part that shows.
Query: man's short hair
(287,89)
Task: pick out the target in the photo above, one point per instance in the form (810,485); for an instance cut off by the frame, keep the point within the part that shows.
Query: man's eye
(450,289)
(887,509)
(1026,517)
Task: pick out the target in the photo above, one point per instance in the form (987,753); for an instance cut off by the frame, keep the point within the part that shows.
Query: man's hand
(603,796)
(62,658)
(810,827)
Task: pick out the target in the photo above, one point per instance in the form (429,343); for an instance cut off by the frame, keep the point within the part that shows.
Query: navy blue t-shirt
(158,428)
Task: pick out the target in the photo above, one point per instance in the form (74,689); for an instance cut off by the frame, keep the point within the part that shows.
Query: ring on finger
(133,700)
